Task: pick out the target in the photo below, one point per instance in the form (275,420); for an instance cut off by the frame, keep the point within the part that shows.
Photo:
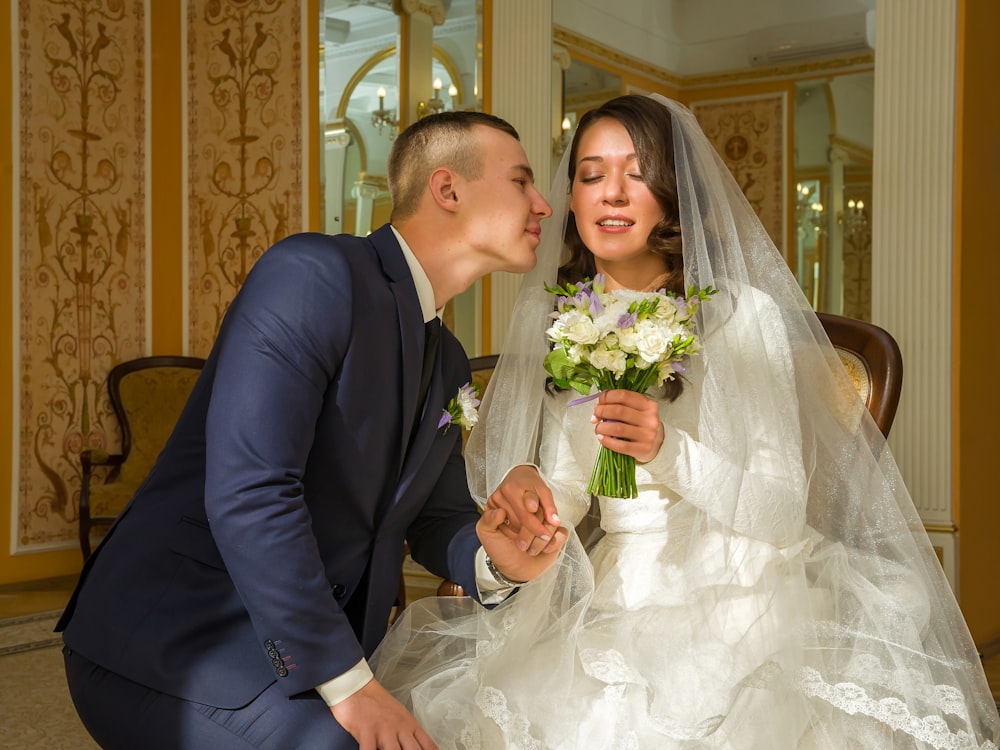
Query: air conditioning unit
(794,42)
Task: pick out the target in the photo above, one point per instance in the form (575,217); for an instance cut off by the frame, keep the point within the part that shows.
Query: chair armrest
(97,457)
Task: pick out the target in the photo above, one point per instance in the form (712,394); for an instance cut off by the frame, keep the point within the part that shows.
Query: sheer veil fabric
(772,585)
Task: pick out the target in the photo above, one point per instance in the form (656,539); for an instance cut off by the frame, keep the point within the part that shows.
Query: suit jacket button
(282,672)
(339,590)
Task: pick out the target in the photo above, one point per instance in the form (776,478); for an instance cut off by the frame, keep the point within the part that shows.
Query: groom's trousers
(123,715)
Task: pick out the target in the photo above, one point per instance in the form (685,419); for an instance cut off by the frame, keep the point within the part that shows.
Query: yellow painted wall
(977,344)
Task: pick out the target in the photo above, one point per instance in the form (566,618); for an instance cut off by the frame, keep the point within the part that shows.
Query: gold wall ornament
(433,8)
(749,134)
(245,147)
(81,265)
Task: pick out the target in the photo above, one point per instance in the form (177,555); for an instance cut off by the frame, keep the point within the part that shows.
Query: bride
(770,587)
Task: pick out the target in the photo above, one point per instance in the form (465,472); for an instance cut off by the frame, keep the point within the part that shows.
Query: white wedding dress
(675,632)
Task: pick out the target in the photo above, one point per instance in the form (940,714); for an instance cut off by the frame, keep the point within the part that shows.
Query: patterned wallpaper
(81,268)
(82,259)
(245,146)
(749,134)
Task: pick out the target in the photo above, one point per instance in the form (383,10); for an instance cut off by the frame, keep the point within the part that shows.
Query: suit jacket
(266,542)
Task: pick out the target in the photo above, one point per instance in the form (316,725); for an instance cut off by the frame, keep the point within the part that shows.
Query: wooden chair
(873,360)
(147,395)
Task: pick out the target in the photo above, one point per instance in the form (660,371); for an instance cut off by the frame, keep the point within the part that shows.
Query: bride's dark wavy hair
(649,126)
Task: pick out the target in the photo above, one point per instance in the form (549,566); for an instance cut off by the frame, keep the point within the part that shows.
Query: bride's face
(614,208)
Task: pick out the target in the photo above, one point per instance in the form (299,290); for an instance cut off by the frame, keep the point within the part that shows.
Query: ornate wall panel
(80,267)
(749,134)
(244,148)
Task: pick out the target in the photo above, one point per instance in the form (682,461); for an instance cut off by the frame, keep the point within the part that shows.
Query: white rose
(651,341)
(612,360)
(627,340)
(577,327)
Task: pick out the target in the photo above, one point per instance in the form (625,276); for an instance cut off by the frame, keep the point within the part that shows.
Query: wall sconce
(808,212)
(560,144)
(383,117)
(856,229)
(435,104)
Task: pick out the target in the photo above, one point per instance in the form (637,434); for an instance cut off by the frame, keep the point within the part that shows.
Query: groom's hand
(505,550)
(379,722)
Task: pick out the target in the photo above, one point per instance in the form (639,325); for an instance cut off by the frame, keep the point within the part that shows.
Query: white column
(834,282)
(522,95)
(912,234)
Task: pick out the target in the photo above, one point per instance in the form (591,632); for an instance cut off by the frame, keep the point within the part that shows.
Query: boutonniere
(462,410)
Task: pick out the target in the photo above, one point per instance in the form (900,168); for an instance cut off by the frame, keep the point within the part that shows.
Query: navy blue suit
(265,545)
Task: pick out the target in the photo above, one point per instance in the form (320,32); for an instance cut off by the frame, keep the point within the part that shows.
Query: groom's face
(503,207)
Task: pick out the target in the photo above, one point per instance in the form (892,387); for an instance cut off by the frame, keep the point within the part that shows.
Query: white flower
(609,359)
(463,409)
(651,340)
(575,326)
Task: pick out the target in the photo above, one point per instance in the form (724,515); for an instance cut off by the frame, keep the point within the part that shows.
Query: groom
(236,598)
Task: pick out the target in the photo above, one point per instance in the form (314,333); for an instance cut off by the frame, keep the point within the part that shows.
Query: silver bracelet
(500,577)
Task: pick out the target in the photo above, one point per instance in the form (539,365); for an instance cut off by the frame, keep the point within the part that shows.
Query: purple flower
(627,320)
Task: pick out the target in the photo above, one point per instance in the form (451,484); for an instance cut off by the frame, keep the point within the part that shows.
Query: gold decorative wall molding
(577,43)
(245,146)
(81,262)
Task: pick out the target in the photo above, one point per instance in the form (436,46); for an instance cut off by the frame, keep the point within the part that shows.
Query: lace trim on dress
(853,699)
(493,704)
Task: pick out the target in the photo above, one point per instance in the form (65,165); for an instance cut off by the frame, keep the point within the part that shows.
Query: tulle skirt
(648,643)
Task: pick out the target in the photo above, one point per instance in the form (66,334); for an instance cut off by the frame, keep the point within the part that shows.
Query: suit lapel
(411,327)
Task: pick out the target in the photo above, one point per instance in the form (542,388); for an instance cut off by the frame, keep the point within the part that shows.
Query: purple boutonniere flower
(462,410)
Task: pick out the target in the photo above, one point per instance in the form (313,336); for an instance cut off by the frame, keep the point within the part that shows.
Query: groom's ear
(443,189)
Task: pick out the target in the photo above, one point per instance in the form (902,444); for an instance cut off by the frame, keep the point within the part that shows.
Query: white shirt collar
(425,292)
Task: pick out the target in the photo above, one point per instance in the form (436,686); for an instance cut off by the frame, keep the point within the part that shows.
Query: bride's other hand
(379,722)
(505,550)
(527,501)
(629,423)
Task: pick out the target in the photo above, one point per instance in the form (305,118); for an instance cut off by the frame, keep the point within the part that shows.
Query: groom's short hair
(447,140)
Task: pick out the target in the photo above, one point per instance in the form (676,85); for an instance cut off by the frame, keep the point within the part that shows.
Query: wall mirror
(585,87)
(360,100)
(362,108)
(831,247)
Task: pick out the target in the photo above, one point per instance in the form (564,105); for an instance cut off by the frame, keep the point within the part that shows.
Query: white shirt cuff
(491,591)
(345,685)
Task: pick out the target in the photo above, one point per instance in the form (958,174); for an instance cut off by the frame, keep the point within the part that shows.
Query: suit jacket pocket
(194,539)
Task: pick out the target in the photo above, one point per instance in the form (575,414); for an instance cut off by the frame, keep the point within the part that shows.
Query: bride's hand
(629,423)
(378,721)
(527,502)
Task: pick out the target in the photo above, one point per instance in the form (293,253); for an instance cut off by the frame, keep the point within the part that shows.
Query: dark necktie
(432,334)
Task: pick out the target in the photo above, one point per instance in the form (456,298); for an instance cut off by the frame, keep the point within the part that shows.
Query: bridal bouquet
(619,339)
